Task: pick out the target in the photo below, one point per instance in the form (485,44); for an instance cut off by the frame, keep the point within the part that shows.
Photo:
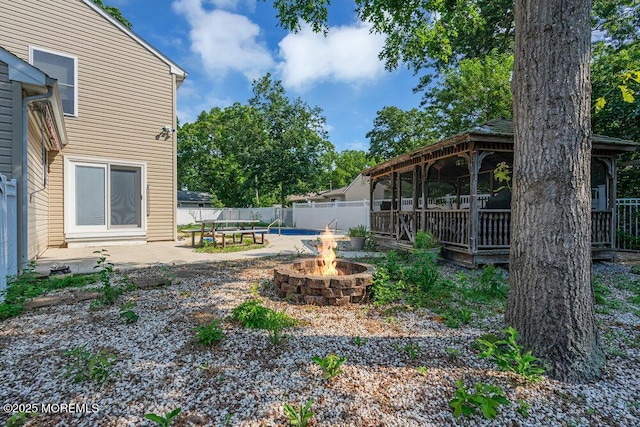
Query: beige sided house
(115,180)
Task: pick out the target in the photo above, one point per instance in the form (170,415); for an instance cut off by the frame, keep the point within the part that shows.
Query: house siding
(6,115)
(125,96)
(38,198)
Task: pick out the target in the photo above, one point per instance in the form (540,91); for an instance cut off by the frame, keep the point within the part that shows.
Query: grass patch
(30,285)
(209,248)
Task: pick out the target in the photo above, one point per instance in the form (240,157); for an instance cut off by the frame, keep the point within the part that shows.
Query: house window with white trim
(62,67)
(104,197)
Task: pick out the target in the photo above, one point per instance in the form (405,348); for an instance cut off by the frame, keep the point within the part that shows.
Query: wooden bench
(242,233)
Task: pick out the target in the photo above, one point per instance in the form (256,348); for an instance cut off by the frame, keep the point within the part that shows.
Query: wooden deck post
(475,162)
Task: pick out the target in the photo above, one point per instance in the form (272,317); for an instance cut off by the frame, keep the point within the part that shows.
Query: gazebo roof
(501,130)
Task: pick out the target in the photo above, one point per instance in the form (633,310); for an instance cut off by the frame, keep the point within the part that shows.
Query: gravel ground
(245,381)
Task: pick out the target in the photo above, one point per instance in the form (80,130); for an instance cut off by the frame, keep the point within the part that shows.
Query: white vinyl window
(104,197)
(62,67)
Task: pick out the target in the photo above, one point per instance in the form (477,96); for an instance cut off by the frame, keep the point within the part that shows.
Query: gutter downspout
(23,219)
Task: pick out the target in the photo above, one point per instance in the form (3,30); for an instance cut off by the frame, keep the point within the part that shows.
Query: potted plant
(426,241)
(357,236)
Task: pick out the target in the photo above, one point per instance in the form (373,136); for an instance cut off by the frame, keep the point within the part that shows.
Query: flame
(327,256)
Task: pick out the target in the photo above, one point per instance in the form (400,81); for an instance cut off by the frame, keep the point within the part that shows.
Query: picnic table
(227,227)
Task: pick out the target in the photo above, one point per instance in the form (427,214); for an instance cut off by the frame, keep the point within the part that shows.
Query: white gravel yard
(244,380)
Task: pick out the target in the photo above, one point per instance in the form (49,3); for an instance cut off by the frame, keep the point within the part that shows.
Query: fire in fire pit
(324,280)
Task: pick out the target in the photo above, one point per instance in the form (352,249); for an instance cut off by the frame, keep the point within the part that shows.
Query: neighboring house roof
(36,82)
(336,192)
(193,196)
(175,68)
(499,128)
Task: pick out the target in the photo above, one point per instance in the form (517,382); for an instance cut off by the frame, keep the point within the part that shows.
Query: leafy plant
(83,365)
(209,334)
(164,421)
(456,317)
(276,322)
(129,316)
(425,240)
(508,355)
(492,283)
(330,365)
(300,415)
(358,231)
(487,398)
(422,370)
(252,314)
(105,272)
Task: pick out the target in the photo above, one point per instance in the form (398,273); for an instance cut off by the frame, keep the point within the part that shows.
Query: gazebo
(450,189)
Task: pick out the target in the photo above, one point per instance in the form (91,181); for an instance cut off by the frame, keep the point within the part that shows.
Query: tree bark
(551,300)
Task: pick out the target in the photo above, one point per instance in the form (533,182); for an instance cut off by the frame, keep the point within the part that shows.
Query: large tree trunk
(551,299)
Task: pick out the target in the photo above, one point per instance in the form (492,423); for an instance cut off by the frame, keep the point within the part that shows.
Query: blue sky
(225,44)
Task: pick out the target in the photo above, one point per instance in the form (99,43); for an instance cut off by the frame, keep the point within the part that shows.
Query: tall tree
(296,142)
(396,131)
(550,249)
(551,298)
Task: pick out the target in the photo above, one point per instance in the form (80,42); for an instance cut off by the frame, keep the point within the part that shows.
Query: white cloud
(347,54)
(233,4)
(224,41)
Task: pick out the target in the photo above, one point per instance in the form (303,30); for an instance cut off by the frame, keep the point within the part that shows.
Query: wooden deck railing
(601,228)
(494,228)
(381,222)
(452,227)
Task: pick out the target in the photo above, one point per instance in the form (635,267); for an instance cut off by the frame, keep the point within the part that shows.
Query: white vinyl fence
(8,232)
(336,215)
(267,215)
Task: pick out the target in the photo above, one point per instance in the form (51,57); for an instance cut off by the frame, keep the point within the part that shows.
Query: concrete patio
(126,257)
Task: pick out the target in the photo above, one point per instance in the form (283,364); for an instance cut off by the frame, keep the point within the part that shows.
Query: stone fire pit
(298,284)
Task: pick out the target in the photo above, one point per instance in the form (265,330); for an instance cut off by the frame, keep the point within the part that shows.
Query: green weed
(487,398)
(298,415)
(84,365)
(410,350)
(209,334)
(330,365)
(164,421)
(127,314)
(359,341)
(422,370)
(508,355)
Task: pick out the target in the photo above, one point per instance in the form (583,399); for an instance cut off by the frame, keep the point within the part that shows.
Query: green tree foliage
(616,54)
(474,92)
(292,156)
(347,165)
(217,153)
(396,131)
(115,12)
(256,154)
